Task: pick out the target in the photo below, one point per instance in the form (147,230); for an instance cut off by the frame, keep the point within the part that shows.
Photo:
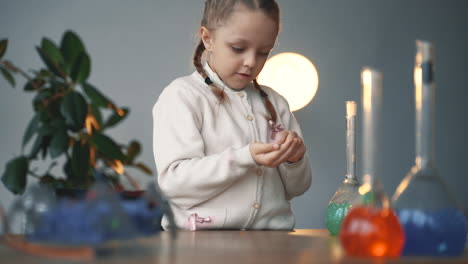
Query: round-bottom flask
(371,228)
(340,204)
(433,223)
(341,201)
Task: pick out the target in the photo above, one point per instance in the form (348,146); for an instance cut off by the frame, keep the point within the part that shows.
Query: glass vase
(433,223)
(348,191)
(371,228)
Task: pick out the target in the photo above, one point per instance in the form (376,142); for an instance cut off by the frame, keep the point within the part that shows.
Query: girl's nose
(249,60)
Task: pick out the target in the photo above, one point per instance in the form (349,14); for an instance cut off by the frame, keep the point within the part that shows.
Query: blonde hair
(215,13)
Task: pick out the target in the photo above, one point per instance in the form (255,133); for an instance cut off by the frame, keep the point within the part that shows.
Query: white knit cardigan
(201,150)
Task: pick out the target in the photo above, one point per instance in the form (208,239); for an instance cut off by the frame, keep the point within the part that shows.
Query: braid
(197,58)
(219,92)
(198,65)
(269,106)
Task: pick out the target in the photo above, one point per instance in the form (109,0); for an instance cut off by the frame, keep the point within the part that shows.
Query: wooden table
(205,247)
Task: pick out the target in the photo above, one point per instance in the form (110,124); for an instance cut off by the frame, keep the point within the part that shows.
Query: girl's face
(239,47)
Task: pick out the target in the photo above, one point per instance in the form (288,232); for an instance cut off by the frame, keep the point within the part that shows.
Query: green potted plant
(70,122)
(71,118)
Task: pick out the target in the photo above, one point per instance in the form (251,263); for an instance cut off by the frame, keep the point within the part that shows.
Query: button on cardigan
(202,155)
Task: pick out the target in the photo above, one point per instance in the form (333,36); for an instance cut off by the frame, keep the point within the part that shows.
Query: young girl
(228,151)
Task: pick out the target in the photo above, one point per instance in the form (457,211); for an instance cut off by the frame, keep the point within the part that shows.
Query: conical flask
(433,223)
(348,191)
(371,228)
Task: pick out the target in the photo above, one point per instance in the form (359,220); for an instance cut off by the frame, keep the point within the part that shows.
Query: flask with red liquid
(348,191)
(371,228)
(431,217)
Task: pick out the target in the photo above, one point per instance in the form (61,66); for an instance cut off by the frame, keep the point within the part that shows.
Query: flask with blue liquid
(433,222)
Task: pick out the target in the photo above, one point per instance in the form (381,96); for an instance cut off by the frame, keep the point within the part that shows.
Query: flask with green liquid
(349,190)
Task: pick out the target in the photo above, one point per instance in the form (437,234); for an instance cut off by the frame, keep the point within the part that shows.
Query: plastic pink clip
(194,219)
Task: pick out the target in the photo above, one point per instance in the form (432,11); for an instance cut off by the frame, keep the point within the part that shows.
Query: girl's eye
(237,49)
(263,54)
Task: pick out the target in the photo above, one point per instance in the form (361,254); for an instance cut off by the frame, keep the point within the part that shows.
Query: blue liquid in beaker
(433,233)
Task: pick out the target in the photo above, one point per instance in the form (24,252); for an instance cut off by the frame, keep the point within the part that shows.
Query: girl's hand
(288,147)
(294,148)
(266,154)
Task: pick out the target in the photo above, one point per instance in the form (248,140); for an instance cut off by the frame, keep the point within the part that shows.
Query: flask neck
(371,190)
(424,104)
(351,147)
(371,118)
(372,193)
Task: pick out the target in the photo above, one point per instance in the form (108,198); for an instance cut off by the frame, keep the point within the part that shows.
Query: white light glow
(293,76)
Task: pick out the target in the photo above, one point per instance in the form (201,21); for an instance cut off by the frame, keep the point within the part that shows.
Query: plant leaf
(71,46)
(74,109)
(44,134)
(133,150)
(8,76)
(52,51)
(97,114)
(36,147)
(3,47)
(15,176)
(80,163)
(51,57)
(48,62)
(30,130)
(28,87)
(59,123)
(40,96)
(59,143)
(96,97)
(81,68)
(44,74)
(107,147)
(144,168)
(67,168)
(116,118)
(45,145)
(45,130)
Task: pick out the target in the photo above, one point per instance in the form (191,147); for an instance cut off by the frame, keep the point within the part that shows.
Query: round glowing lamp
(293,76)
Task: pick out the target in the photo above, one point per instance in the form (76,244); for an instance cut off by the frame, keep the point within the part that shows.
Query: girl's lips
(243,75)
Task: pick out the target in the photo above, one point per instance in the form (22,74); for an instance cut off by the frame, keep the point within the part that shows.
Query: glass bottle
(27,210)
(371,228)
(341,201)
(433,223)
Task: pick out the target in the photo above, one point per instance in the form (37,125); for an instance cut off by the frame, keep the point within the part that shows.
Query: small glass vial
(342,200)
(371,228)
(433,223)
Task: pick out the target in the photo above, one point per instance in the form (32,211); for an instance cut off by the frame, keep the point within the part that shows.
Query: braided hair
(217,11)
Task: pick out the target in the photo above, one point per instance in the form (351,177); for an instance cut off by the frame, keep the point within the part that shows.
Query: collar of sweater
(218,82)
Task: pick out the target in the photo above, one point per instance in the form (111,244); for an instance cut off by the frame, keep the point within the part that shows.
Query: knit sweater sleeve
(186,175)
(297,176)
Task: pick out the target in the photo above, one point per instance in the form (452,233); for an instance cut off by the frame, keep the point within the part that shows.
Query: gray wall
(138,47)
